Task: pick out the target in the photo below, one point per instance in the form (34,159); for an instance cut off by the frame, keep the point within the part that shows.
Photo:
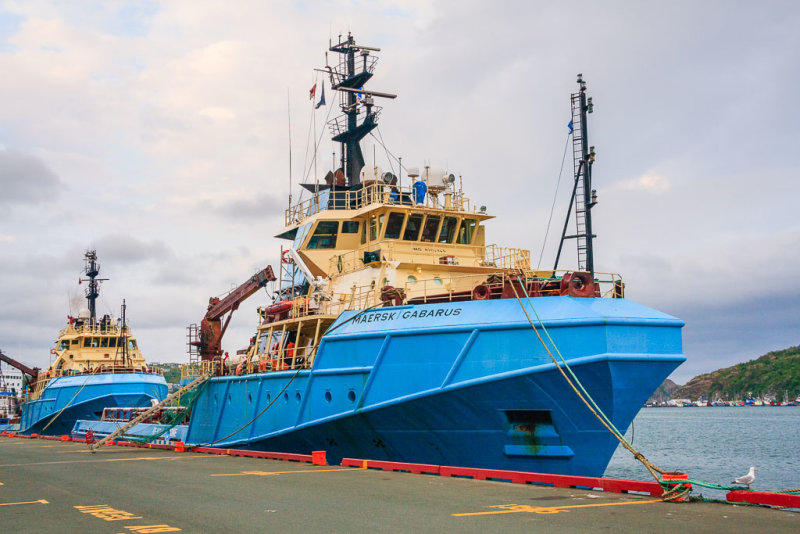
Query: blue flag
(568,125)
(321,98)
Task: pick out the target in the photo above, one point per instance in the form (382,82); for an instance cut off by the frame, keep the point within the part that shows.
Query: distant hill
(664,392)
(776,373)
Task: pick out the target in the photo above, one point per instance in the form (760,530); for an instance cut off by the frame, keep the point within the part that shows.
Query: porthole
(412,279)
(269,398)
(297,396)
(351,396)
(286,397)
(250,398)
(328,396)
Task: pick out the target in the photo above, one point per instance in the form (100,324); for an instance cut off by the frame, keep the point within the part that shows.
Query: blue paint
(94,393)
(463,384)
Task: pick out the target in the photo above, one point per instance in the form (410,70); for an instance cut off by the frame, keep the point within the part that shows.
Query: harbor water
(716,445)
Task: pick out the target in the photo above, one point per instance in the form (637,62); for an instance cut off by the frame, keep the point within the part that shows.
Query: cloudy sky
(157,134)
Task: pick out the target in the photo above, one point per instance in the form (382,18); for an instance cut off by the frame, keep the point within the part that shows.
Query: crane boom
(32,372)
(211,327)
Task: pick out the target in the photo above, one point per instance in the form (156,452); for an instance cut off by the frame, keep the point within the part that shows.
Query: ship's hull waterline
(465,383)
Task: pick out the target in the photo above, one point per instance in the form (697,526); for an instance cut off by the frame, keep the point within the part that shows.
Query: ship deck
(53,486)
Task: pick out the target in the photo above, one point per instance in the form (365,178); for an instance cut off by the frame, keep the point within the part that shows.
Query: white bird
(748,479)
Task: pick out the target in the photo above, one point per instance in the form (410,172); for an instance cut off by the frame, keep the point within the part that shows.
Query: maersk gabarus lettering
(408,314)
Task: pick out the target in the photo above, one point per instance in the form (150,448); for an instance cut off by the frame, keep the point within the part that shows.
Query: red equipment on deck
(209,344)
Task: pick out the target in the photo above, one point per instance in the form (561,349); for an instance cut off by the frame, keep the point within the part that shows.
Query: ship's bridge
(341,231)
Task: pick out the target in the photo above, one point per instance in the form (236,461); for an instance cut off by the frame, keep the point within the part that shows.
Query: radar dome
(84,313)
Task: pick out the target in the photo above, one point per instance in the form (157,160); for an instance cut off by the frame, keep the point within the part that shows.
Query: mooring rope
(56,416)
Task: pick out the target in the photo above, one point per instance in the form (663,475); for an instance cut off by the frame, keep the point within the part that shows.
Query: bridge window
(431,228)
(448,230)
(95,342)
(349,227)
(87,342)
(104,342)
(394,224)
(131,344)
(324,235)
(112,342)
(74,341)
(63,345)
(412,227)
(466,231)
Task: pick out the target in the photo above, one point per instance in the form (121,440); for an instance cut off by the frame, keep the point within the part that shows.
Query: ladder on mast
(199,381)
(579,172)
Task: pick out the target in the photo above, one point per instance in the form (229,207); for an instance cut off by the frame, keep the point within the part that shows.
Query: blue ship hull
(463,384)
(85,397)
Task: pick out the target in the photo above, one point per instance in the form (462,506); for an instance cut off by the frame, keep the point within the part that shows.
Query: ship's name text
(408,314)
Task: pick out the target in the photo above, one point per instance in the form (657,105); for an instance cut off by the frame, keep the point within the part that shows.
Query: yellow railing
(433,254)
(376,194)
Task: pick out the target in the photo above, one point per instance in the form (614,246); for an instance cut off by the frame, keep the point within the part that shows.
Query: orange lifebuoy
(481,292)
(578,284)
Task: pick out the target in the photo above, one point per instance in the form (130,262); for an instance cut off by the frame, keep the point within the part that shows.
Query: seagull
(747,479)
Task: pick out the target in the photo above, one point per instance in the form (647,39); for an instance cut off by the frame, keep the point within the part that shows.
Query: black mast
(349,77)
(583,196)
(93,291)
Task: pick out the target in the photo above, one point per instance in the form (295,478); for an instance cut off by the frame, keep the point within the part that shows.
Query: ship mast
(92,270)
(349,77)
(583,196)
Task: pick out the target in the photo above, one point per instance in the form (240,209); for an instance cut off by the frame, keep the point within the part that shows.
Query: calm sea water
(716,445)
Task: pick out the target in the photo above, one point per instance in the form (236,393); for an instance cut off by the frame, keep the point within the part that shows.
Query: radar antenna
(92,270)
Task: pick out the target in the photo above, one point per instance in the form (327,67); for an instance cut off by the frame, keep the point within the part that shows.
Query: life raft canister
(578,284)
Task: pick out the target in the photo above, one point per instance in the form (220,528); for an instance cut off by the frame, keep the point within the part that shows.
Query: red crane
(209,344)
(33,373)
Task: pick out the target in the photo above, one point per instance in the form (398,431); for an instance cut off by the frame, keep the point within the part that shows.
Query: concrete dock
(52,486)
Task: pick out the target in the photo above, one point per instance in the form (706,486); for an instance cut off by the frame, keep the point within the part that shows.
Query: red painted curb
(785,500)
(518,477)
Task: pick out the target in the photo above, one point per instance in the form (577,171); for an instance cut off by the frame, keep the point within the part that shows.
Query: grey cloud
(252,208)
(26,179)
(124,249)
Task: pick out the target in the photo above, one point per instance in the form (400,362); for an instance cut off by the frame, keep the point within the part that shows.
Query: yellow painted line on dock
(516,508)
(299,471)
(40,501)
(111,460)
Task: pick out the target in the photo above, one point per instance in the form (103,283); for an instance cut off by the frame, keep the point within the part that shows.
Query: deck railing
(377,194)
(433,254)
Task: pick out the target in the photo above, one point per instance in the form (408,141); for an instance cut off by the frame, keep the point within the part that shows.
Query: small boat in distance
(98,364)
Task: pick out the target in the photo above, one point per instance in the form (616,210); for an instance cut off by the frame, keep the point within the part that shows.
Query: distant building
(10,380)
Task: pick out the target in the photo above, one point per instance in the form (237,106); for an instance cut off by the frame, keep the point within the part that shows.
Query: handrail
(379,194)
(468,255)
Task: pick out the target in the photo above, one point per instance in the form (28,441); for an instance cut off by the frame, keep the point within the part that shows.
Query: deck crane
(33,373)
(208,341)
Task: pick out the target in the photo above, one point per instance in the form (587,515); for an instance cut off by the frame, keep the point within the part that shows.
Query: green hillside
(775,374)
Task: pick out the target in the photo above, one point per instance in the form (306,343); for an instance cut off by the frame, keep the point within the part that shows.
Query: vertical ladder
(578,148)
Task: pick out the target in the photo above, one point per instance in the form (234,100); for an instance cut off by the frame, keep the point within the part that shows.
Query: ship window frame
(75,341)
(347,227)
(104,342)
(434,232)
(471,231)
(112,342)
(399,227)
(64,345)
(131,344)
(453,229)
(324,235)
(406,236)
(87,342)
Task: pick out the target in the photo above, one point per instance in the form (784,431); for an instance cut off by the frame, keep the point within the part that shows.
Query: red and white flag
(312,93)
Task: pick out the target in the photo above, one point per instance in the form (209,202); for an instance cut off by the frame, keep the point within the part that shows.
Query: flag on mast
(322,97)
(312,92)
